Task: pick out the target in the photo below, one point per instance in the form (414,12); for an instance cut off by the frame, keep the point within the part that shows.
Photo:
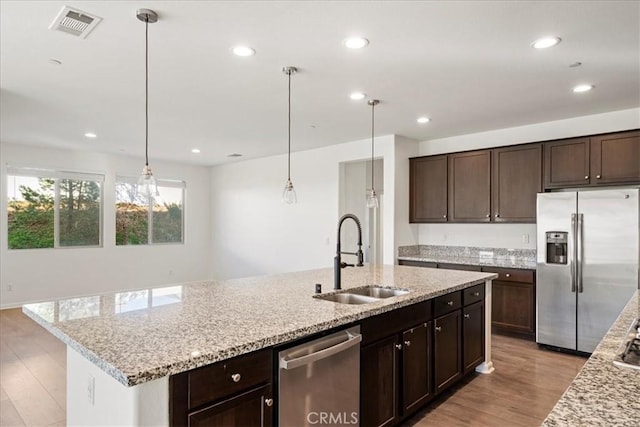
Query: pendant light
(372,197)
(289,193)
(147,185)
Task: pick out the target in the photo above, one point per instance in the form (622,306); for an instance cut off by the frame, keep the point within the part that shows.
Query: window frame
(172,183)
(56,175)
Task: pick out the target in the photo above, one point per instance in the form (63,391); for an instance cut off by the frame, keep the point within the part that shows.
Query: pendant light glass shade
(289,193)
(147,185)
(372,197)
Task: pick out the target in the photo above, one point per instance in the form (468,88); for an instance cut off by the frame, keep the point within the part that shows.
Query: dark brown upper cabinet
(591,161)
(470,186)
(517,180)
(615,158)
(428,189)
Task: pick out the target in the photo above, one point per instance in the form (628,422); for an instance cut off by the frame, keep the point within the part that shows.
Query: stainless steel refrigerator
(587,264)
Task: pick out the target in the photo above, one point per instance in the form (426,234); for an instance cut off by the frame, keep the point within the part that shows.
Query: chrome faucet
(338,265)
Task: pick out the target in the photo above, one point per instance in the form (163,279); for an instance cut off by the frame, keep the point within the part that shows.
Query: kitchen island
(603,394)
(123,347)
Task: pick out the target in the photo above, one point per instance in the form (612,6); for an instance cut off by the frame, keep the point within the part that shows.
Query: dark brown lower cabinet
(416,367)
(379,382)
(447,350)
(247,409)
(472,336)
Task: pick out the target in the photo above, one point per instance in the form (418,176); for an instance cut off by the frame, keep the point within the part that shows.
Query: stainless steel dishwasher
(319,381)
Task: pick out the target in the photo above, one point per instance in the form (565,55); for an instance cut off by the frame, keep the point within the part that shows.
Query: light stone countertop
(138,336)
(470,255)
(603,394)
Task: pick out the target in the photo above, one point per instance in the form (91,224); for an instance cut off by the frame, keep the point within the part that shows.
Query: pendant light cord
(373,106)
(146,92)
(289,152)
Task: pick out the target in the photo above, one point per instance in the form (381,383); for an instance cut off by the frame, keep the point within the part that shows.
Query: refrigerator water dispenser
(556,247)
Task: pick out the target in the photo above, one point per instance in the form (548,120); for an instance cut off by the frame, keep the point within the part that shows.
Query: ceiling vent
(75,22)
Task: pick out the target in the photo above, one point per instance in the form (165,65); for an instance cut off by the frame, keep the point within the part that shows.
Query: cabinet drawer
(447,303)
(473,294)
(458,266)
(511,274)
(225,378)
(417,263)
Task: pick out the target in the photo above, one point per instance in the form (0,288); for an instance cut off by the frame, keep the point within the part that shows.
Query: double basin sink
(364,295)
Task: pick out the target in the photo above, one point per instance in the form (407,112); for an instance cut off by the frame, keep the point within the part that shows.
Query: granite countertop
(603,394)
(470,255)
(139,336)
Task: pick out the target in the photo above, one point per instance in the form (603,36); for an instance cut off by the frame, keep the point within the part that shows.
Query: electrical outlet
(91,390)
(525,238)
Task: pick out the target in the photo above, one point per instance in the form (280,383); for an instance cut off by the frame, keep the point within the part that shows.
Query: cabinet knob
(268,402)
(508,275)
(598,176)
(466,316)
(399,346)
(488,215)
(586,177)
(476,294)
(497,215)
(450,303)
(438,328)
(445,217)
(407,343)
(235,377)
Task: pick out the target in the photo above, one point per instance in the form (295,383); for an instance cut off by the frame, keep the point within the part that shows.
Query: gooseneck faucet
(338,265)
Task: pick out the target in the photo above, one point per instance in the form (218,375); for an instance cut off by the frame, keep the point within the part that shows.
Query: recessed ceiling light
(582,88)
(234,155)
(356,42)
(423,120)
(243,51)
(356,96)
(90,135)
(546,42)
(195,151)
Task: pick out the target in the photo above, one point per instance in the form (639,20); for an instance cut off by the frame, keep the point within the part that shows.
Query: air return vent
(75,22)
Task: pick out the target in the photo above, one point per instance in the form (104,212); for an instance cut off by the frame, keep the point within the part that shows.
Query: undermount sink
(363,295)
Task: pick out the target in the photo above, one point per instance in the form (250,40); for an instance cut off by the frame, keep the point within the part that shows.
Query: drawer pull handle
(407,343)
(508,275)
(438,328)
(476,294)
(268,402)
(449,303)
(236,378)
(399,346)
(466,316)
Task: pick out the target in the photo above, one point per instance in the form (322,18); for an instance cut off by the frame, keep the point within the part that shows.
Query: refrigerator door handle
(572,254)
(579,250)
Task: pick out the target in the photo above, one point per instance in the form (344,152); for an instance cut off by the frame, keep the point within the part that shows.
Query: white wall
(44,274)
(254,233)
(510,235)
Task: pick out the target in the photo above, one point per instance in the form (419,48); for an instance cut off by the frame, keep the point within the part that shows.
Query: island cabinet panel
(517,180)
(416,367)
(379,382)
(615,158)
(513,306)
(447,350)
(470,186)
(566,163)
(428,200)
(472,336)
(233,392)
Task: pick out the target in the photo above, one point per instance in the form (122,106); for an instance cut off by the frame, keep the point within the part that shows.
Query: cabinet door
(252,408)
(447,350)
(416,363)
(513,306)
(428,189)
(517,180)
(472,336)
(379,382)
(615,158)
(470,186)
(566,163)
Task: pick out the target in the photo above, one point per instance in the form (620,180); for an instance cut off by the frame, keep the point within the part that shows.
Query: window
(140,221)
(53,209)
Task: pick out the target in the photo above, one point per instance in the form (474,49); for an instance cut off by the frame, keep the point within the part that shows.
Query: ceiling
(468,65)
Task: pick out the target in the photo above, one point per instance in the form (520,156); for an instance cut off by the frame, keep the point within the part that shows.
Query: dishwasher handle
(354,339)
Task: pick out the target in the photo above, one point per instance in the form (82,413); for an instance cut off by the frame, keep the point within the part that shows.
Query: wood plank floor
(521,392)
